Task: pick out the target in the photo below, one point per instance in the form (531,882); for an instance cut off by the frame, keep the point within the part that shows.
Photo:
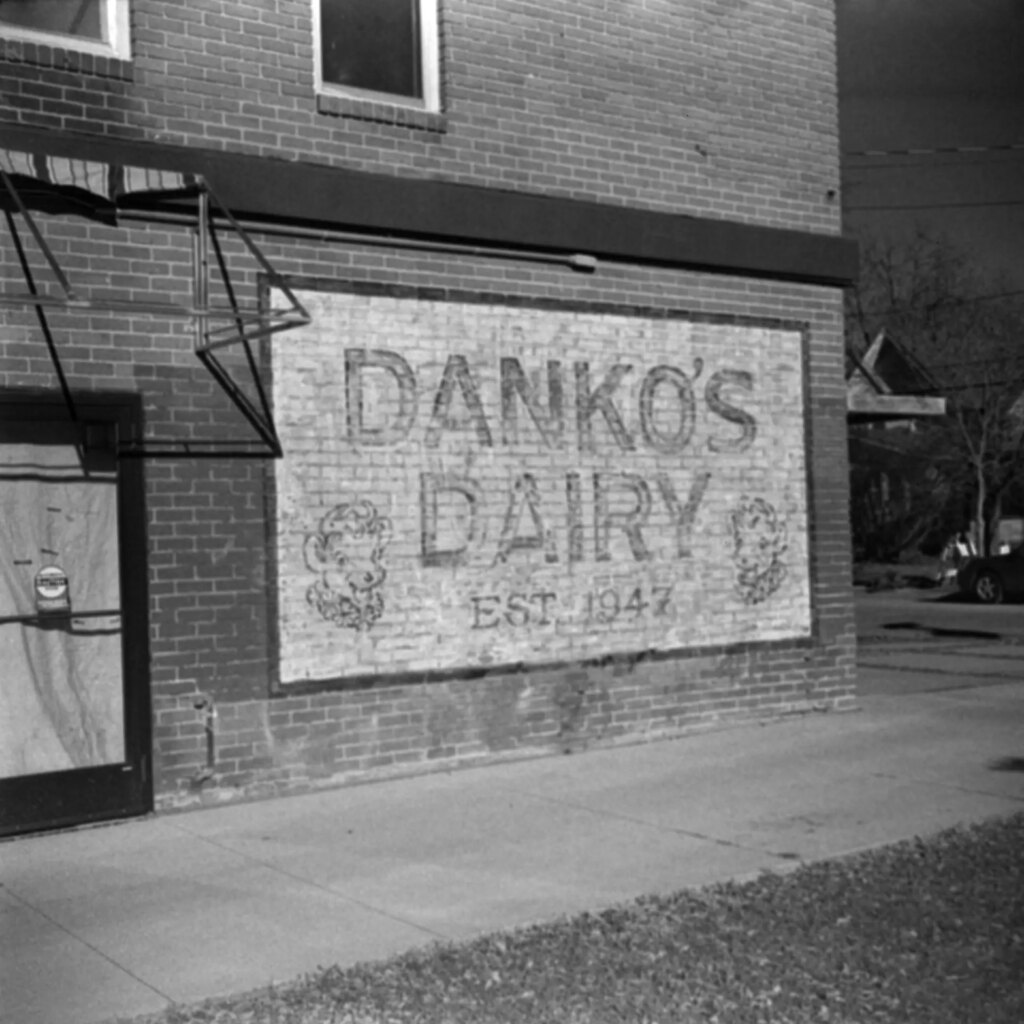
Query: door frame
(30,803)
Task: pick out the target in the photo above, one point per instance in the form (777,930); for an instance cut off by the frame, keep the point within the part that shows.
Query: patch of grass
(929,931)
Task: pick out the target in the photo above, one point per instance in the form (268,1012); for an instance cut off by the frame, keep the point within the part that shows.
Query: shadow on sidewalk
(944,632)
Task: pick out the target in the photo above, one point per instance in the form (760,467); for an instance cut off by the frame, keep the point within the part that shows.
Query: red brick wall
(210,568)
(718,109)
(698,106)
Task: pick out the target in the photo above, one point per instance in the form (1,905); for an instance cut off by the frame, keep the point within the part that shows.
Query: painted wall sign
(469,484)
(52,592)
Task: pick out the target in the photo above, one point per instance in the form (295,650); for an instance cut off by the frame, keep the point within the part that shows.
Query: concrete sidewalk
(125,919)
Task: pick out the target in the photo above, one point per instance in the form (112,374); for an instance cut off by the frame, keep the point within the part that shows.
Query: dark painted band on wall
(312,195)
(618,664)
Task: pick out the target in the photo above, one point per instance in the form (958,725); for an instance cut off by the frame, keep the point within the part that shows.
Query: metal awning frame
(216,327)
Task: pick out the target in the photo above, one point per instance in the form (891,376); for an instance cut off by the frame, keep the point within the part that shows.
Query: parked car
(992,578)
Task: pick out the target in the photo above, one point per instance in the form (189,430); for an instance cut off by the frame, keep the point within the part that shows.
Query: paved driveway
(913,641)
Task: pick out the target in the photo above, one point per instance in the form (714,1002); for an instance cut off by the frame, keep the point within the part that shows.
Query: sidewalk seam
(88,945)
(674,830)
(278,869)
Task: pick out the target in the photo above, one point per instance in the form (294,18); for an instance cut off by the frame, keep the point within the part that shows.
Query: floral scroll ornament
(346,553)
(759,542)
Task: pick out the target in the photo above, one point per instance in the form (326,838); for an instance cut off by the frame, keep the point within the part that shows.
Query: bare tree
(967,334)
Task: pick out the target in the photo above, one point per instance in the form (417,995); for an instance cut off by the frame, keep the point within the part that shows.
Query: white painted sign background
(470,484)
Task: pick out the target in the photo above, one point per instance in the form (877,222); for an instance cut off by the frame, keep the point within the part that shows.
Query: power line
(896,307)
(990,298)
(933,165)
(935,150)
(939,206)
(941,389)
(989,361)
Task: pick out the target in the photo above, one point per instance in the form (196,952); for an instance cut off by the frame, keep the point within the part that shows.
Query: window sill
(18,51)
(387,113)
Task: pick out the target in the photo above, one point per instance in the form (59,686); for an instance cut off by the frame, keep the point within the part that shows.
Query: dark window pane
(68,17)
(372,44)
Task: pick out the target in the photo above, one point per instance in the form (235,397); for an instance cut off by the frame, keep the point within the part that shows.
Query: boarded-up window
(61,698)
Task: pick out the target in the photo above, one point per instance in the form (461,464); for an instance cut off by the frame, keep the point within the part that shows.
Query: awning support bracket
(44,323)
(216,328)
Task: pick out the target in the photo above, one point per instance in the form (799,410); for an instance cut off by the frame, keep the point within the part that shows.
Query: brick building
(399,385)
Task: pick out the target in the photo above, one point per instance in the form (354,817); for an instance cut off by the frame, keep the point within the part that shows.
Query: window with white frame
(90,26)
(378,50)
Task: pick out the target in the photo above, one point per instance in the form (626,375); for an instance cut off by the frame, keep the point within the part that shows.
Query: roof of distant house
(887,383)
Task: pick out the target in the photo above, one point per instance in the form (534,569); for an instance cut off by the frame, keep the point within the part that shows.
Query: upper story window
(89,26)
(383,50)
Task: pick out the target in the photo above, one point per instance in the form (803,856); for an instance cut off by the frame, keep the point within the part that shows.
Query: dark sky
(934,74)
